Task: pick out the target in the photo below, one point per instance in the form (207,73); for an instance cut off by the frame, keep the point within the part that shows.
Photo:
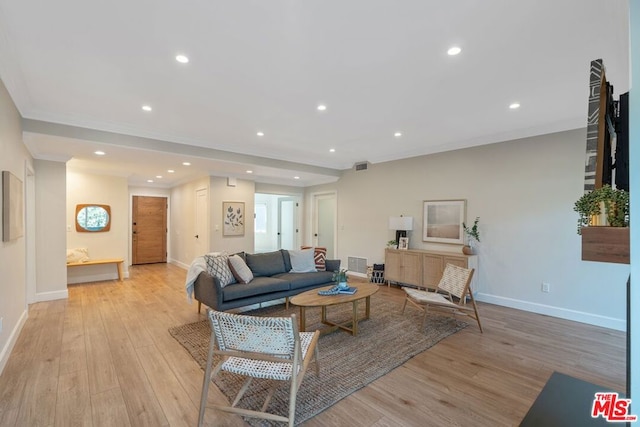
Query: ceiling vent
(362,166)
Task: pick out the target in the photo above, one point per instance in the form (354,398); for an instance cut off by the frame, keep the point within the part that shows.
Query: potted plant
(472,234)
(614,202)
(392,244)
(340,277)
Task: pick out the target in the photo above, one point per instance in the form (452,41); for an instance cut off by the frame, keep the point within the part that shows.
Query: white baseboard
(50,296)
(562,313)
(179,264)
(11,342)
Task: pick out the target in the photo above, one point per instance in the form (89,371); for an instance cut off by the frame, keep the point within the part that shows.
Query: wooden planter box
(605,244)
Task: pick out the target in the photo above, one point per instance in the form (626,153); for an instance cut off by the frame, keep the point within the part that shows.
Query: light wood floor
(104,358)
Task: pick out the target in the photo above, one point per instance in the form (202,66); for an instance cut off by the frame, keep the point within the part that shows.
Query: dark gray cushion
(287,259)
(258,286)
(303,280)
(266,264)
(332,264)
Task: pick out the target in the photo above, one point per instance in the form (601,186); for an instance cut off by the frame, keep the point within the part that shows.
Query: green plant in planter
(339,276)
(392,243)
(472,232)
(615,202)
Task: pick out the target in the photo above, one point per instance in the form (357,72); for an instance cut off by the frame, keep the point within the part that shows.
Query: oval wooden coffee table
(312,299)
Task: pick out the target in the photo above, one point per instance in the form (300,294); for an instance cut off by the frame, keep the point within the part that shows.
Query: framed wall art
(233,218)
(442,222)
(12,207)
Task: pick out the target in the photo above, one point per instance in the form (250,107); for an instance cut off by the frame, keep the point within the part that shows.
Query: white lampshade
(401,223)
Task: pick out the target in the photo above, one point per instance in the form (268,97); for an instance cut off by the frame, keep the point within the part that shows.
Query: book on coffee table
(349,291)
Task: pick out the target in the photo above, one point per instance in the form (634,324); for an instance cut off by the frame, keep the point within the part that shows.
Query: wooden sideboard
(423,268)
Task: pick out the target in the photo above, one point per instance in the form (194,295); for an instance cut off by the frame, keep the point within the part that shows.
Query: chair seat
(265,369)
(429,297)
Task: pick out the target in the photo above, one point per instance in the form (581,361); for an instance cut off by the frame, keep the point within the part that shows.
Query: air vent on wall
(357,264)
(362,166)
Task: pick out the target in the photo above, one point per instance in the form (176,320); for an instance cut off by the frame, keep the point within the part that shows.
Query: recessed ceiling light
(296,177)
(159,176)
(182,59)
(454,50)
(149,180)
(147,107)
(249,171)
(186,164)
(332,150)
(514,106)
(99,153)
(397,134)
(170,171)
(322,107)
(260,133)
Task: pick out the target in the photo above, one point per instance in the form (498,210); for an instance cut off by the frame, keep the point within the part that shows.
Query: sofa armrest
(332,264)
(207,290)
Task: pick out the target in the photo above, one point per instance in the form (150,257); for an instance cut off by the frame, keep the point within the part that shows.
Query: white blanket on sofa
(197,266)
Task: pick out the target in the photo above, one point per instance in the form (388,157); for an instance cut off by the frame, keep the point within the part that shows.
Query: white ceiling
(255,65)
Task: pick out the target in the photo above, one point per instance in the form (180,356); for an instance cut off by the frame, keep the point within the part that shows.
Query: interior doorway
(276,222)
(149,228)
(324,222)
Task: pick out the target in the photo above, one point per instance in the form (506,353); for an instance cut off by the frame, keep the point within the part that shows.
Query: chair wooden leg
(405,304)
(206,381)
(199,306)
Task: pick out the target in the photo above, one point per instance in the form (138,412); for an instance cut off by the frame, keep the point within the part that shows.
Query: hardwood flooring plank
(108,409)
(174,400)
(102,371)
(139,397)
(73,406)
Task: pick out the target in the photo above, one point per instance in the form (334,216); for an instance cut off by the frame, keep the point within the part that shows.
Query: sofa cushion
(304,280)
(332,264)
(240,270)
(265,264)
(302,261)
(258,286)
(319,255)
(287,259)
(218,266)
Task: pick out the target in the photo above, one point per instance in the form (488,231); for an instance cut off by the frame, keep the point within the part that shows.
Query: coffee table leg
(368,308)
(303,314)
(354,326)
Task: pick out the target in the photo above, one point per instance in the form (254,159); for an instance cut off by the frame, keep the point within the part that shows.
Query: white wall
(51,236)
(244,191)
(523,191)
(13,305)
(86,188)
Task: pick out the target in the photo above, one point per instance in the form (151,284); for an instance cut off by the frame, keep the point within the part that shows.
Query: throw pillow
(77,255)
(320,257)
(302,261)
(218,267)
(240,269)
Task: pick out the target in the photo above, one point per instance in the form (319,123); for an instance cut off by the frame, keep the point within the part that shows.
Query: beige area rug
(347,363)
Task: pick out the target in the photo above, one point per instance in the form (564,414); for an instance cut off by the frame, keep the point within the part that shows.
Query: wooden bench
(117,261)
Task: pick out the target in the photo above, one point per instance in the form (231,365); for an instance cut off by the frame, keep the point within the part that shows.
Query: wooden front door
(149,230)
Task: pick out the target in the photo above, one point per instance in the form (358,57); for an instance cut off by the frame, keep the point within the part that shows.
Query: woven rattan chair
(451,294)
(270,348)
